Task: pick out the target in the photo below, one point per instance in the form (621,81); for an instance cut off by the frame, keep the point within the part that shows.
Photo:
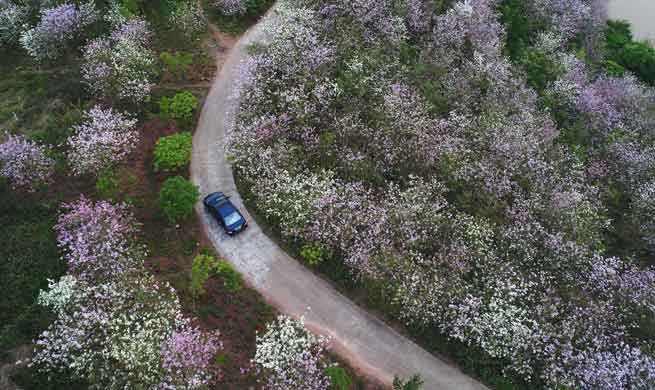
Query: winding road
(364,341)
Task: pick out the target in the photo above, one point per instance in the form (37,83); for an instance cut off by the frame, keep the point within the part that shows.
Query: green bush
(622,50)
(613,69)
(205,266)
(540,70)
(173,152)
(107,184)
(177,63)
(181,106)
(315,253)
(201,270)
(177,198)
(339,379)
(232,280)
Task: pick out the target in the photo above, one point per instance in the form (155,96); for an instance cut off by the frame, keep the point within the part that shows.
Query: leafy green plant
(413,383)
(201,270)
(181,106)
(173,152)
(623,51)
(177,198)
(107,184)
(222,359)
(232,280)
(540,69)
(339,379)
(314,253)
(176,63)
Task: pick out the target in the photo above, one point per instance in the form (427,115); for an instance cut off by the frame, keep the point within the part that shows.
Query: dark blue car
(220,206)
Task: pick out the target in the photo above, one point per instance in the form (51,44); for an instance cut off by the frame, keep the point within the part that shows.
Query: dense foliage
(181,106)
(173,152)
(177,198)
(622,49)
(476,160)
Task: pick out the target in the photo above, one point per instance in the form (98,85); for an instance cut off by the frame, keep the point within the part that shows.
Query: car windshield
(232,218)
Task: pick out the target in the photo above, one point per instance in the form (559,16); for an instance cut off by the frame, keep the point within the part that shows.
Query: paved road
(363,340)
(641,13)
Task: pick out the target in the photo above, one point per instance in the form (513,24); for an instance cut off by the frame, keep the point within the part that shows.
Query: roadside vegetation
(480,171)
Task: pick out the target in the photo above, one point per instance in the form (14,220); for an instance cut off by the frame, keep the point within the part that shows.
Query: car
(221,208)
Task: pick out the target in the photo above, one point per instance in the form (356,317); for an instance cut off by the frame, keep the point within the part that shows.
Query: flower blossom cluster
(97,239)
(120,66)
(57,27)
(187,355)
(24,163)
(116,326)
(292,355)
(439,174)
(103,140)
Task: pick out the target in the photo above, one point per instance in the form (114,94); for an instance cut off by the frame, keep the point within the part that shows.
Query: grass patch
(30,257)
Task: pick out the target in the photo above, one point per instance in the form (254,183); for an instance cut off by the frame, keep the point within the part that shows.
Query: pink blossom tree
(104,139)
(24,163)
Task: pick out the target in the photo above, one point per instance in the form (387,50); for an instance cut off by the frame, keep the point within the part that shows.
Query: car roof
(225,208)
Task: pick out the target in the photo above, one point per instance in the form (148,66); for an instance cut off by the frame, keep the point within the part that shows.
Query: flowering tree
(113,334)
(24,163)
(116,326)
(104,139)
(187,355)
(399,138)
(58,26)
(292,356)
(121,66)
(97,239)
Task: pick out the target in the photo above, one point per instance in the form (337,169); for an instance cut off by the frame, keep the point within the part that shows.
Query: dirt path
(363,340)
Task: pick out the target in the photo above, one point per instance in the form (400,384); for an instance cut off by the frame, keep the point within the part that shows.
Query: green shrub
(315,253)
(540,70)
(222,359)
(339,379)
(613,69)
(622,50)
(177,63)
(177,198)
(173,152)
(201,270)
(181,106)
(232,280)
(107,184)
